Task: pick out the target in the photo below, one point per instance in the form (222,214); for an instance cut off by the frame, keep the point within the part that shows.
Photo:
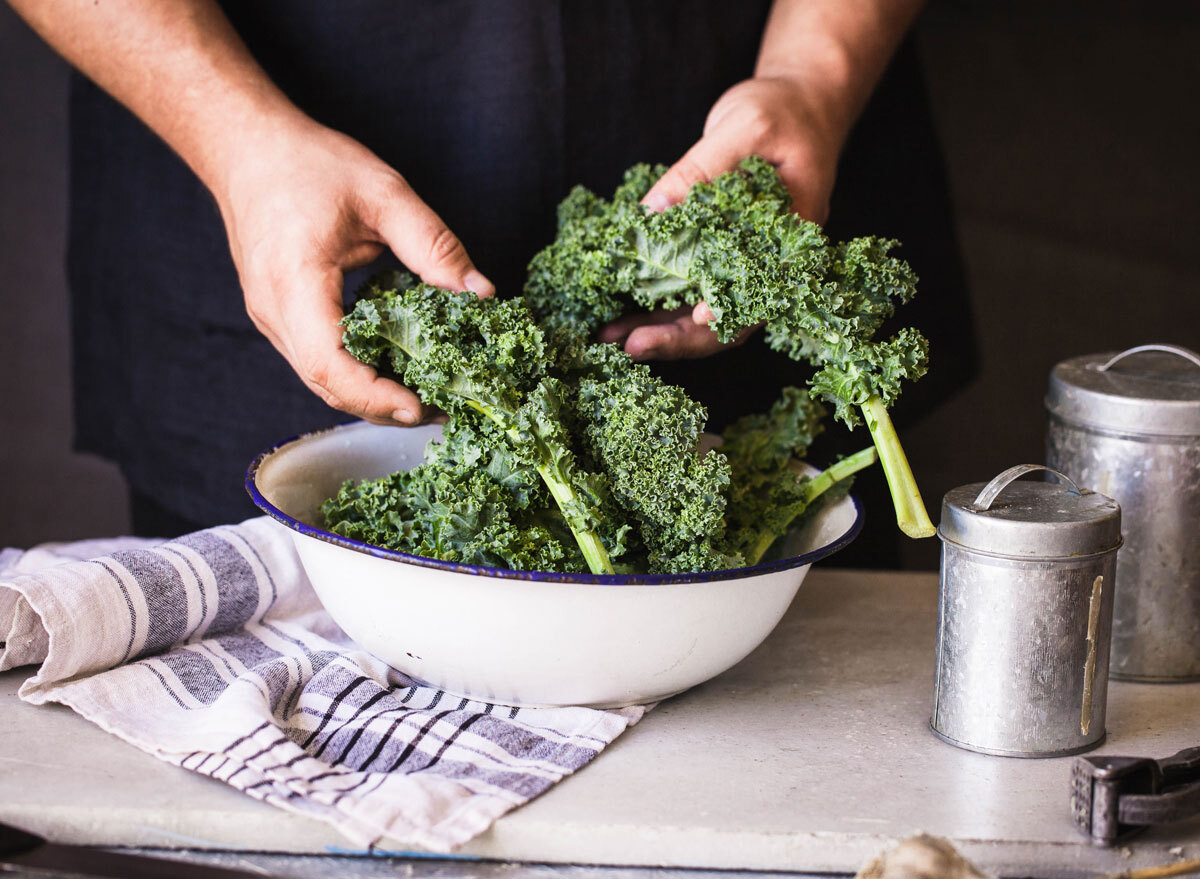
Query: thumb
(706,159)
(425,244)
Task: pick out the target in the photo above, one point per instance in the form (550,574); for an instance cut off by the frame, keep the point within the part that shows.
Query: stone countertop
(811,755)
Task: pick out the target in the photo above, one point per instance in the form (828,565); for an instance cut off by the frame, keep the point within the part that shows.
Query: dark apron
(492,111)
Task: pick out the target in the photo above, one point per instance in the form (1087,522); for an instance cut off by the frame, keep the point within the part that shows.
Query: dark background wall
(1072,136)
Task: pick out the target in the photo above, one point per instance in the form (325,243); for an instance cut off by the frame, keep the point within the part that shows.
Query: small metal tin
(1024,615)
(1129,425)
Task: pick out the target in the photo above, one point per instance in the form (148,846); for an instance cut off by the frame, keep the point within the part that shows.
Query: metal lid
(1030,519)
(1155,392)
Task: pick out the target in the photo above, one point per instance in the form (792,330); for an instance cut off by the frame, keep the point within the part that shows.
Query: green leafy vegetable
(769,489)
(644,435)
(485,362)
(562,454)
(734,244)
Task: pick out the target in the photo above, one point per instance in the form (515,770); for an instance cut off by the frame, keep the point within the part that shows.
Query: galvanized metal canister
(1024,615)
(1129,425)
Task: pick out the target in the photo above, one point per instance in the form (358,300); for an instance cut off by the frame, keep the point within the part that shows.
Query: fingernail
(656,201)
(478,284)
(405,416)
(702,314)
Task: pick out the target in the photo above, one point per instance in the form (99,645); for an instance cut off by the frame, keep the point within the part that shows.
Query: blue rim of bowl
(321,534)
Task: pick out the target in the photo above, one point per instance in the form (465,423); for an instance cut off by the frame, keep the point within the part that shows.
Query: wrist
(833,51)
(823,83)
(228,142)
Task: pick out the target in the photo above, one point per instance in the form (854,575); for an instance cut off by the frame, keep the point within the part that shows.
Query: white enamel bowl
(523,637)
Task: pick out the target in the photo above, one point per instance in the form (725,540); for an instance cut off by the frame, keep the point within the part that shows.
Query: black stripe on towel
(416,740)
(333,707)
(359,731)
(129,604)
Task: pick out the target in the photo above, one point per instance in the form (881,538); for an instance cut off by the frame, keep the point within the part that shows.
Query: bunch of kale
(735,244)
(562,454)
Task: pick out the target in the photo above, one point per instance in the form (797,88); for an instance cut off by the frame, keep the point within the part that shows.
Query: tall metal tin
(1024,616)
(1129,425)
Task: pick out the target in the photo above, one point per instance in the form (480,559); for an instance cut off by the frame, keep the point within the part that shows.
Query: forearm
(836,49)
(176,64)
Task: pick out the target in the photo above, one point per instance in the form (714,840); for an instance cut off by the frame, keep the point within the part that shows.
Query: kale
(768,488)
(485,363)
(562,454)
(468,501)
(572,283)
(645,435)
(734,244)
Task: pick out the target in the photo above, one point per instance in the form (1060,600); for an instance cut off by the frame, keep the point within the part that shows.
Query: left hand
(776,118)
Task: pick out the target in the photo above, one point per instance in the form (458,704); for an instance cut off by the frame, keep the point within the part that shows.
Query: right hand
(302,204)
(785,122)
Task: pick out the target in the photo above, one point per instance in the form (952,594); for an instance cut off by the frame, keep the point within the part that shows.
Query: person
(284,149)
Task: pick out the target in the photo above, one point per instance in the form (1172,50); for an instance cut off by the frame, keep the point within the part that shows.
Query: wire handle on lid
(1001,482)
(1168,349)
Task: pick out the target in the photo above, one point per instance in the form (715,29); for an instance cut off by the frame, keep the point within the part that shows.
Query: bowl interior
(291,480)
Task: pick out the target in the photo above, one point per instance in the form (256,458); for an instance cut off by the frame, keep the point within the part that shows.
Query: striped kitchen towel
(212,652)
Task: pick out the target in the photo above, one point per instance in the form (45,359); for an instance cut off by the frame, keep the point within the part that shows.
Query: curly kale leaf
(766,443)
(731,243)
(834,324)
(833,327)
(871,371)
(464,355)
(734,244)
(484,362)
(768,490)
(578,282)
(645,436)
(469,501)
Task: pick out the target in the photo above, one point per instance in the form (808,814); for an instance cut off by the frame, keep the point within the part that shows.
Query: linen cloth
(213,653)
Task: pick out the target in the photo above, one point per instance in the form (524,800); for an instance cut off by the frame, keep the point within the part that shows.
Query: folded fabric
(213,653)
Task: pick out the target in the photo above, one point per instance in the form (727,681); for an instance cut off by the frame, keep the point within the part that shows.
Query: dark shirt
(492,111)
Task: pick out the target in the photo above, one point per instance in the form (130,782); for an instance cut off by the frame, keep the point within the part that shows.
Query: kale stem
(910,509)
(569,502)
(813,489)
(563,493)
(838,471)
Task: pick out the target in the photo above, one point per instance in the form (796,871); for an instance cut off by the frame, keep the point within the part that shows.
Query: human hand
(669,334)
(302,205)
(773,117)
(776,118)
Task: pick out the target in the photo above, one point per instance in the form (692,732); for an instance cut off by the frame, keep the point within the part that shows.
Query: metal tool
(1128,425)
(25,853)
(1115,797)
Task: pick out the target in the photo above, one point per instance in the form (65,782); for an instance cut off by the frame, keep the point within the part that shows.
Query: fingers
(424,243)
(686,335)
(678,339)
(307,332)
(669,335)
(619,329)
(663,335)
(710,156)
